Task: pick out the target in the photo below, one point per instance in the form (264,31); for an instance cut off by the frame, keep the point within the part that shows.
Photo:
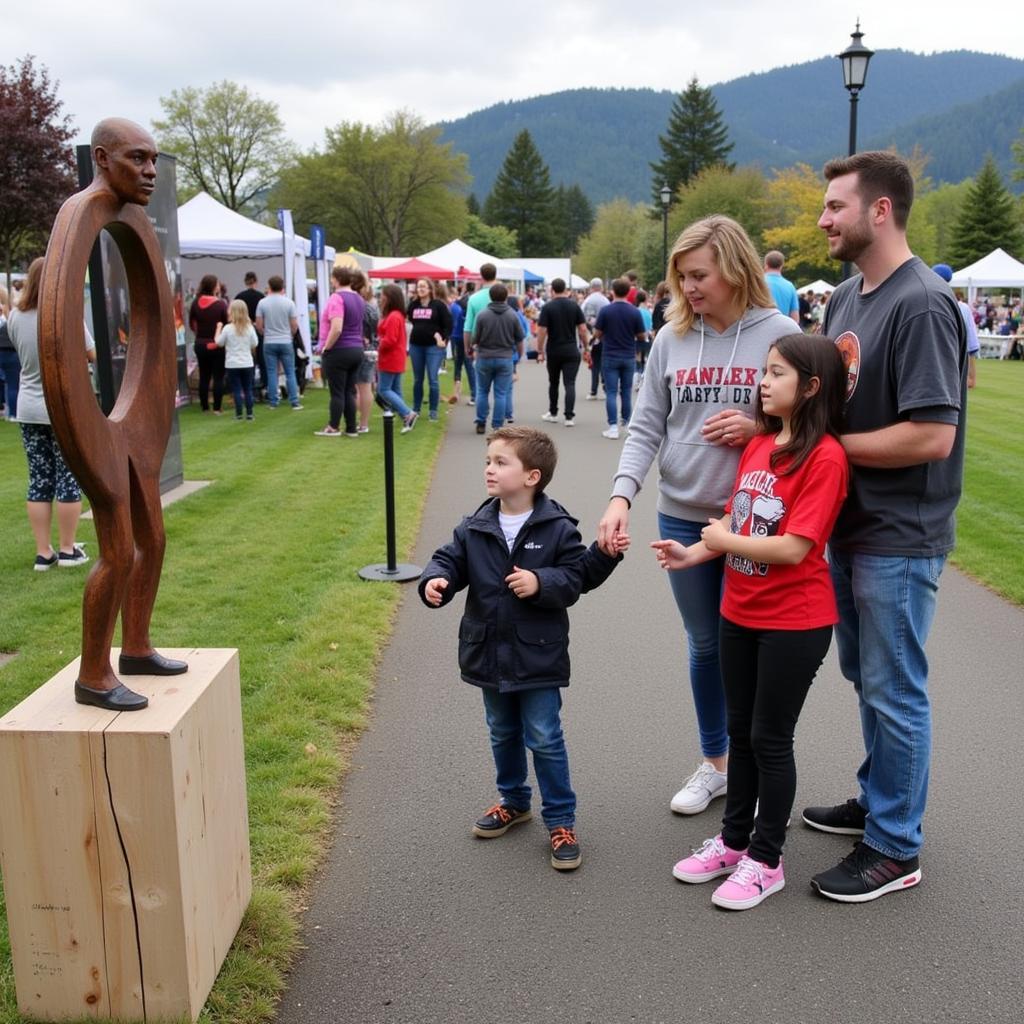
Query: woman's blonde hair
(29,297)
(238,313)
(737,262)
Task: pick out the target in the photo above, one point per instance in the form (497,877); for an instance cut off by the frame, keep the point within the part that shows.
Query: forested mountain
(957,105)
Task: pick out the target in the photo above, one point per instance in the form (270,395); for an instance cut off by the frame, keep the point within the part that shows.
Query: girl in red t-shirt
(778,606)
(391,353)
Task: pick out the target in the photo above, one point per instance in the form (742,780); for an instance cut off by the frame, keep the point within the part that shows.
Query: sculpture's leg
(105,589)
(147,523)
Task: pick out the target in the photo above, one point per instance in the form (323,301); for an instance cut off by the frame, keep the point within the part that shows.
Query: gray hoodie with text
(687,379)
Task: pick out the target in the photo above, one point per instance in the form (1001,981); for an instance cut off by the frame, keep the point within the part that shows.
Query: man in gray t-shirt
(905,348)
(278,320)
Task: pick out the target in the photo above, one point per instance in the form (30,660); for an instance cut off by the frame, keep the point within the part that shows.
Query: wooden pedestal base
(124,843)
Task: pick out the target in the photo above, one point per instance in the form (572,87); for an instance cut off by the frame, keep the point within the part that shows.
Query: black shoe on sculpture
(120,698)
(150,665)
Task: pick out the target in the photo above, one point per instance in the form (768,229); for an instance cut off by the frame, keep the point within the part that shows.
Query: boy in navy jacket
(523,560)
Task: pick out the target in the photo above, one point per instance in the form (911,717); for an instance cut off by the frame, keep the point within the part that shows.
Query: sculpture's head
(125,156)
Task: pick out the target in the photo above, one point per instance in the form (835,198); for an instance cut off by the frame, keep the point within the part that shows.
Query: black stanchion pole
(391,570)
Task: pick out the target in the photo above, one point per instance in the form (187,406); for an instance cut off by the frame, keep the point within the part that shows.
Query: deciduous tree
(522,198)
(391,189)
(492,239)
(616,242)
(229,143)
(740,194)
(36,159)
(696,137)
(793,206)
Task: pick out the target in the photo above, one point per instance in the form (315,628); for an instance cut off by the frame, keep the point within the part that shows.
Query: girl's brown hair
(391,298)
(814,357)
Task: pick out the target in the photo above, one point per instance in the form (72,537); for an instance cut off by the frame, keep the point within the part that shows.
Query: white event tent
(216,240)
(456,254)
(819,287)
(996,270)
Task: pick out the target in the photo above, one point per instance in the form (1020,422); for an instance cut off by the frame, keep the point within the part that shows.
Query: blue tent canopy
(530,278)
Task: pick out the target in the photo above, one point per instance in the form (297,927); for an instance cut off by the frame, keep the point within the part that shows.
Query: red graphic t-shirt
(758,595)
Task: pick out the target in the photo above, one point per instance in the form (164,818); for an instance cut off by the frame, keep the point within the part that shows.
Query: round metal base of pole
(402,573)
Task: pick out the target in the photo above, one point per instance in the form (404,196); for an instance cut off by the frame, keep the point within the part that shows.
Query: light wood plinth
(124,842)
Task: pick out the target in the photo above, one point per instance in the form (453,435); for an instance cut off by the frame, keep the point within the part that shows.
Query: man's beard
(853,242)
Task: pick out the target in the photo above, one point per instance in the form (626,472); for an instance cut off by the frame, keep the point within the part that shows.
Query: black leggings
(340,366)
(565,365)
(766,675)
(211,367)
(595,367)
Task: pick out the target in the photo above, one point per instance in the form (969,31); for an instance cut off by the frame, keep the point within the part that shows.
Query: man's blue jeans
(698,594)
(498,372)
(285,352)
(426,359)
(618,380)
(886,607)
(531,719)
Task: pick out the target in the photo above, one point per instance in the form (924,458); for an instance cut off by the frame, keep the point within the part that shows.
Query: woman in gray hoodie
(695,413)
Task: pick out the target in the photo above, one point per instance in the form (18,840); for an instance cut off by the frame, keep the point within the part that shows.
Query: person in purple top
(341,351)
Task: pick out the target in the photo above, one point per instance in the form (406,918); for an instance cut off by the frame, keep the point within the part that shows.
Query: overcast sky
(323,61)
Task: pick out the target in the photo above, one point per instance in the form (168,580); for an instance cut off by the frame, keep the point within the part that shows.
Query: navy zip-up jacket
(505,642)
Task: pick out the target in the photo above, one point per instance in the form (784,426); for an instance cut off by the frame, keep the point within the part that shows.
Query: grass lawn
(265,560)
(990,519)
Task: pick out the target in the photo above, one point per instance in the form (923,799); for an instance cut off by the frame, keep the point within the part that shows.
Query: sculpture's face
(129,164)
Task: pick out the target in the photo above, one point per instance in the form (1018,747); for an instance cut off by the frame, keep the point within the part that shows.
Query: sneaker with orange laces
(565,849)
(497,820)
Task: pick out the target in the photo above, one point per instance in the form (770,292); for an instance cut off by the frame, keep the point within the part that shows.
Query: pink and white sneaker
(751,883)
(712,860)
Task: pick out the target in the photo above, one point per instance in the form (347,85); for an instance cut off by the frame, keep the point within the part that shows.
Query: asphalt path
(414,921)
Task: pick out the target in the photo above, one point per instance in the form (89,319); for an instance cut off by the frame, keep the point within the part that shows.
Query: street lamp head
(666,195)
(855,60)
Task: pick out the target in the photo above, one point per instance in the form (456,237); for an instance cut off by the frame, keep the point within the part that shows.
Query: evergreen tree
(522,199)
(696,138)
(988,218)
(473,205)
(573,218)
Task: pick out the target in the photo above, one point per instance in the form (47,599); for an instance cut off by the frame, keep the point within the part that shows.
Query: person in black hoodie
(497,334)
(521,556)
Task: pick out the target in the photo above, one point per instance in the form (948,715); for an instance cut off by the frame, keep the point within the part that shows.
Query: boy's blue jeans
(531,719)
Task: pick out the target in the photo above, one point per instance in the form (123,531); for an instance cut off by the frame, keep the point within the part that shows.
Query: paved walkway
(413,921)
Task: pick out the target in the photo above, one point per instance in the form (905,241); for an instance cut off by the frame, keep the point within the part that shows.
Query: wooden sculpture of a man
(116,459)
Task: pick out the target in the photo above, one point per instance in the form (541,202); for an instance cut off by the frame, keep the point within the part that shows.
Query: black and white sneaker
(865,875)
(69,559)
(565,849)
(843,819)
(43,562)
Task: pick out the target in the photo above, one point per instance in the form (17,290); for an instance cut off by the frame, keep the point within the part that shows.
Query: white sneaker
(570,423)
(550,417)
(593,398)
(703,786)
(611,432)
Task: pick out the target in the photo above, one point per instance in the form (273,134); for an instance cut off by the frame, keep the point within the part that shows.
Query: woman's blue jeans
(698,594)
(426,359)
(389,387)
(531,719)
(886,606)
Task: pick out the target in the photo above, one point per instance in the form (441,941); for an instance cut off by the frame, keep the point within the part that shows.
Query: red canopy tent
(412,270)
(465,274)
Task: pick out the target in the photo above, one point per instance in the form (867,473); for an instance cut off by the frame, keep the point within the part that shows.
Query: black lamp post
(855,60)
(666,198)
